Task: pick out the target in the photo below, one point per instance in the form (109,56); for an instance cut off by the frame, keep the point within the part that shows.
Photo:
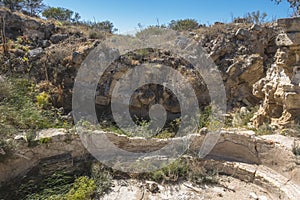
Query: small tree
(106,26)
(294,4)
(256,17)
(76,18)
(61,14)
(183,24)
(33,7)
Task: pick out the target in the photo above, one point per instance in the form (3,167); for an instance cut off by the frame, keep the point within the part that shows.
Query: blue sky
(126,14)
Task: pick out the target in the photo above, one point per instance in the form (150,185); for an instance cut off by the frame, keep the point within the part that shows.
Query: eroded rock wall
(280,89)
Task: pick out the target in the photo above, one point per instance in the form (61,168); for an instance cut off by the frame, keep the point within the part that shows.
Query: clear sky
(126,14)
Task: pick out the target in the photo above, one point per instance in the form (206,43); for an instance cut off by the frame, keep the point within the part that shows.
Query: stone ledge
(234,145)
(289,24)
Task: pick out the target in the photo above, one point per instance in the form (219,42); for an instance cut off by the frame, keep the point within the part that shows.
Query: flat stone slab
(289,24)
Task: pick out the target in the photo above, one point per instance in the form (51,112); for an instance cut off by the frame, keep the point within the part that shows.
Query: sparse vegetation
(242,117)
(182,170)
(102,178)
(5,89)
(96,34)
(18,110)
(150,31)
(171,173)
(264,129)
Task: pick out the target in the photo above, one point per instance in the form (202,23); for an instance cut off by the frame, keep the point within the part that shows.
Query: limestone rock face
(243,53)
(57,149)
(280,89)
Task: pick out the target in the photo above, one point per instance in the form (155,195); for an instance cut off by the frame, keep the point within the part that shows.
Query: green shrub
(184,24)
(182,169)
(171,173)
(165,134)
(42,100)
(204,118)
(45,140)
(82,189)
(93,34)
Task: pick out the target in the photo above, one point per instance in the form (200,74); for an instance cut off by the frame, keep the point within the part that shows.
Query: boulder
(58,38)
(288,39)
(253,70)
(35,52)
(256,28)
(20,53)
(49,29)
(242,34)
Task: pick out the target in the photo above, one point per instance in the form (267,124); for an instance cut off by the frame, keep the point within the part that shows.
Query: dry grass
(216,29)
